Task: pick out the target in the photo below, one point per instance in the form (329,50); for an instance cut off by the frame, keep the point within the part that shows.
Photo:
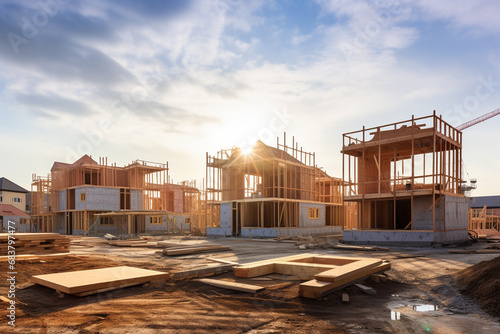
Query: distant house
(13,194)
(89,196)
(491,202)
(13,217)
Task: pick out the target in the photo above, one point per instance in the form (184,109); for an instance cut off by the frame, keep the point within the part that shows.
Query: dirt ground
(421,295)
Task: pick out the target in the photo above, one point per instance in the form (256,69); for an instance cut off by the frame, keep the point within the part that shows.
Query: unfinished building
(270,192)
(90,197)
(406,178)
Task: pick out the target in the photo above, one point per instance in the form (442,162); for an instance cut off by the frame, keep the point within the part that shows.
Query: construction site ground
(421,295)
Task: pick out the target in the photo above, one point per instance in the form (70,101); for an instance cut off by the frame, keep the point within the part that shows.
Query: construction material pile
(87,282)
(33,243)
(481,282)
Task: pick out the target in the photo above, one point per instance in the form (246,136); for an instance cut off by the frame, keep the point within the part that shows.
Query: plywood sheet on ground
(94,279)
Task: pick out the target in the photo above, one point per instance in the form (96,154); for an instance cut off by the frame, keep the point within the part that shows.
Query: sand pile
(481,282)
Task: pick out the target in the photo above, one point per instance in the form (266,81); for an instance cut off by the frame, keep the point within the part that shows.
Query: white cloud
(481,14)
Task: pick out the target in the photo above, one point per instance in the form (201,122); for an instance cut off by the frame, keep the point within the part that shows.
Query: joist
(94,279)
(231,285)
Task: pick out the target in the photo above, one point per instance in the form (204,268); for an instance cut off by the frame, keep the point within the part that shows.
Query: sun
(246,151)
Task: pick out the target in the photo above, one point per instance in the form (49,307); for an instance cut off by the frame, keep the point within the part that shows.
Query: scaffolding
(386,168)
(266,185)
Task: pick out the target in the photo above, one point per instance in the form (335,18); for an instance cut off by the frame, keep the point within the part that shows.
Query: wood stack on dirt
(34,243)
(86,282)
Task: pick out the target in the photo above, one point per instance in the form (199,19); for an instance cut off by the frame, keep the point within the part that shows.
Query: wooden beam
(231,285)
(317,289)
(337,274)
(194,250)
(203,271)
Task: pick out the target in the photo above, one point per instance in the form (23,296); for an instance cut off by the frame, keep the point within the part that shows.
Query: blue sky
(171,80)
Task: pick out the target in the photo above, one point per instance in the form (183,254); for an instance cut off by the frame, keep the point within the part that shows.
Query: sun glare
(246,151)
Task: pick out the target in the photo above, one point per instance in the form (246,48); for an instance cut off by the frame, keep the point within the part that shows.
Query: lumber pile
(86,282)
(325,273)
(35,243)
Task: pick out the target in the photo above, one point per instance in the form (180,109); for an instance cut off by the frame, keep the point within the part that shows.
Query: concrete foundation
(450,226)
(275,232)
(403,238)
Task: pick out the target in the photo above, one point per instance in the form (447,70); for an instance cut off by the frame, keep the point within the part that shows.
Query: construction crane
(468,188)
(478,120)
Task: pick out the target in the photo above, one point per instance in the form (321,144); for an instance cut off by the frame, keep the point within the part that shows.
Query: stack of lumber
(325,273)
(35,243)
(86,282)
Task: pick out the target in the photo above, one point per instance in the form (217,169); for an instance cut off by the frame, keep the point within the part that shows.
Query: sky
(171,80)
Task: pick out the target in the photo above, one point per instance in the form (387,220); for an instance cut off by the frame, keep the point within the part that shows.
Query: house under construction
(271,192)
(87,196)
(406,178)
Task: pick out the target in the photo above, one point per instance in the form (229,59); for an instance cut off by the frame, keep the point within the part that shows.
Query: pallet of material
(35,243)
(325,273)
(86,282)
(194,250)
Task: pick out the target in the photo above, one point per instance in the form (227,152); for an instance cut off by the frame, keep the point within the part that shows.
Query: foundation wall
(276,232)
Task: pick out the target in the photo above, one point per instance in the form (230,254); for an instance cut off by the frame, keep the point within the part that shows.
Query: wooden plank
(340,272)
(264,267)
(366,289)
(300,269)
(317,289)
(231,285)
(185,251)
(254,271)
(359,248)
(94,279)
(222,261)
(203,271)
